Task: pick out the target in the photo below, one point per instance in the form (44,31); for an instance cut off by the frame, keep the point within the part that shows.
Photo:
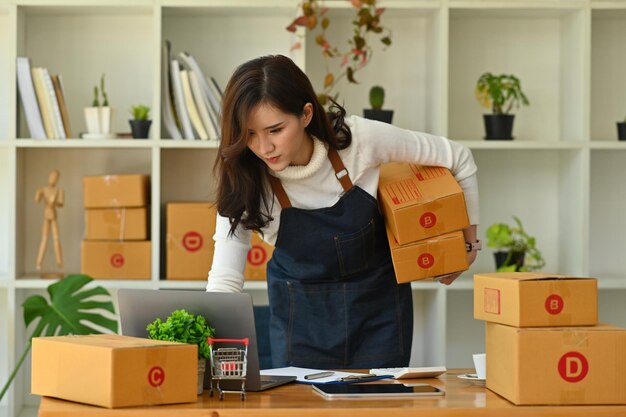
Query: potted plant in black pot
(180,326)
(377,99)
(140,124)
(499,93)
(621,130)
(516,250)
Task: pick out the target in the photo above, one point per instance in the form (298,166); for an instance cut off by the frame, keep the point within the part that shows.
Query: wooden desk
(462,399)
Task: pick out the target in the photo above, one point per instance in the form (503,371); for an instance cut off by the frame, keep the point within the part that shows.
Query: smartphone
(375,390)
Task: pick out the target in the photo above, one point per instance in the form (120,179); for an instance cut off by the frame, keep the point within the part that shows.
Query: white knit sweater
(315,186)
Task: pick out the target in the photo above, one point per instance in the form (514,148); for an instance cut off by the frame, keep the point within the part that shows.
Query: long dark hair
(242,186)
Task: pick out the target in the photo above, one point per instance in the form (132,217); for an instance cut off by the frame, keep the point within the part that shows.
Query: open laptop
(231,315)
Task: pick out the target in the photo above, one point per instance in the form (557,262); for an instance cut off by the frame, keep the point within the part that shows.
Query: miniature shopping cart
(228,363)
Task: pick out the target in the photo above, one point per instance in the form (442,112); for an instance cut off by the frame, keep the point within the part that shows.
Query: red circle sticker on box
(257,255)
(192,241)
(573,367)
(554,304)
(428,220)
(426,260)
(117,260)
(156,376)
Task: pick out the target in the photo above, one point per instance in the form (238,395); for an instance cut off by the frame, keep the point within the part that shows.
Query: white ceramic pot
(201,370)
(106,115)
(92,119)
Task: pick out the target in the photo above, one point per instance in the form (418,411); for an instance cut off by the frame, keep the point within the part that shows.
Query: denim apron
(334,301)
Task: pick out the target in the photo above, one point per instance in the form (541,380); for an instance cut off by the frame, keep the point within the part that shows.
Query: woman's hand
(470,236)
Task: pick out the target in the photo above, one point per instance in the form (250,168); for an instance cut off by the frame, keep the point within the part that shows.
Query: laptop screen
(230,314)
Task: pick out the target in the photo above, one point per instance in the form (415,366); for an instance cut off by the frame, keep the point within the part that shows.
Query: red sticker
(554,304)
(426,260)
(257,255)
(192,241)
(573,367)
(428,220)
(492,301)
(117,260)
(156,376)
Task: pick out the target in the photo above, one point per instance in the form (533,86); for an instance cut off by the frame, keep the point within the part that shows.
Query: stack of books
(43,101)
(191,102)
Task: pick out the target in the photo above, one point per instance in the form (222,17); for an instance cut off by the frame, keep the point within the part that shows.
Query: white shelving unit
(562,174)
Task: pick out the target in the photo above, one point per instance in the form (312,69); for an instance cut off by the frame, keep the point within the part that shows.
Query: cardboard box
(420,202)
(558,365)
(114,371)
(190,245)
(116,224)
(116,260)
(109,191)
(428,258)
(525,299)
(258,256)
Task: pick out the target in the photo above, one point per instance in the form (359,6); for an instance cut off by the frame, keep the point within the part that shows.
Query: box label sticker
(402,191)
(554,304)
(428,220)
(573,367)
(156,376)
(192,241)
(117,260)
(426,260)
(427,173)
(257,255)
(491,301)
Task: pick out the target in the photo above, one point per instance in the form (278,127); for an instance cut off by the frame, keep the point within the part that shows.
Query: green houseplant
(180,326)
(352,57)
(98,116)
(377,99)
(72,310)
(140,124)
(499,93)
(516,249)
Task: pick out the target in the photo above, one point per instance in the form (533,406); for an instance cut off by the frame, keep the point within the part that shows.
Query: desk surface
(462,399)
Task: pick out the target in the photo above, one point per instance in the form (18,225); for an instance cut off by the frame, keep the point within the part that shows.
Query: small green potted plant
(516,250)
(621,130)
(377,99)
(500,93)
(140,124)
(180,326)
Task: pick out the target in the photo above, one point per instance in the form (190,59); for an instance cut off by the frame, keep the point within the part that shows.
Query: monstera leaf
(70,311)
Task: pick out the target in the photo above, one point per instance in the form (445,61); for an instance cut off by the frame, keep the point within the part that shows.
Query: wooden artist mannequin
(53,197)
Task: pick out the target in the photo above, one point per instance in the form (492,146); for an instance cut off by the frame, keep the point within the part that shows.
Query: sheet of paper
(300,374)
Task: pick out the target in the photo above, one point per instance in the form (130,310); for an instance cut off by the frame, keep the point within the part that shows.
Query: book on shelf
(179,100)
(202,104)
(28,98)
(44,102)
(57,82)
(59,130)
(167,109)
(191,106)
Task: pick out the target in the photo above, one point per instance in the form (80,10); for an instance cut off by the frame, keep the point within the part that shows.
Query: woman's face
(278,138)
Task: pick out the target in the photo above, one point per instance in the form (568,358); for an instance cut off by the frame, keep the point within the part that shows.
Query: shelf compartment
(606,221)
(418,41)
(113,41)
(6,189)
(543,47)
(608,65)
(33,167)
(463,333)
(81,143)
(539,187)
(5,71)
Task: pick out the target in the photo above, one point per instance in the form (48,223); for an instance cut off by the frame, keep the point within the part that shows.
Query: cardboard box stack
(116,244)
(190,245)
(543,341)
(425,213)
(114,371)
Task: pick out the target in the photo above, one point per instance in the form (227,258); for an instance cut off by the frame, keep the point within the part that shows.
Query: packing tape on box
(575,339)
(156,364)
(572,397)
(563,291)
(122,222)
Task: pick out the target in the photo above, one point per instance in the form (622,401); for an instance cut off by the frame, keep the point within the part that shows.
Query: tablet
(375,390)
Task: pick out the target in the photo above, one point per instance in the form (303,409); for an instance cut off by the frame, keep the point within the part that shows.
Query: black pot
(621,130)
(140,128)
(499,126)
(380,115)
(516,258)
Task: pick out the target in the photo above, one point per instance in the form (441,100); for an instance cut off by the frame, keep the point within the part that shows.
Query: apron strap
(279,190)
(340,172)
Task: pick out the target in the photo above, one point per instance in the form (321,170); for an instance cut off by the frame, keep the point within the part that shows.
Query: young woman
(307,181)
